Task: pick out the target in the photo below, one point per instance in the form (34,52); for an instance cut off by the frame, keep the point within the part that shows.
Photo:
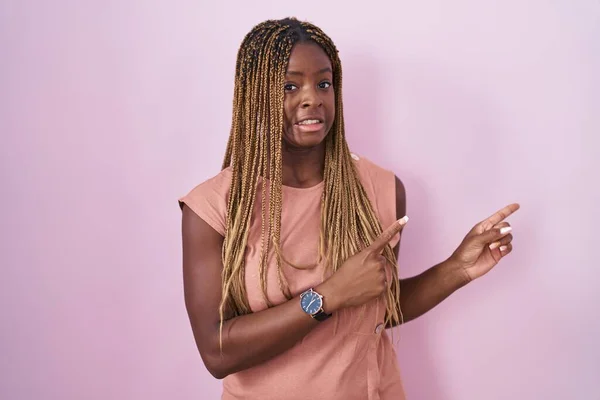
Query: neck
(303,167)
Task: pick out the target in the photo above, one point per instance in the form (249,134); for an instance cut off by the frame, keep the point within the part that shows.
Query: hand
(362,277)
(485,245)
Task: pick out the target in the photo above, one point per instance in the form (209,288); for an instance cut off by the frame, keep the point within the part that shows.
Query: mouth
(310,121)
(309,124)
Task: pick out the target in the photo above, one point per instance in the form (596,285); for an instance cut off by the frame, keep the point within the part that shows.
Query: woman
(289,276)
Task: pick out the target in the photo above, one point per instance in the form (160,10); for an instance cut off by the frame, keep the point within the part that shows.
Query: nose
(311,98)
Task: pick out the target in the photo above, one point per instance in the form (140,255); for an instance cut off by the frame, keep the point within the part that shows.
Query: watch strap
(321,315)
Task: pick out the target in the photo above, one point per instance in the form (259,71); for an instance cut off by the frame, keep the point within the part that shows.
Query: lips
(309,125)
(312,120)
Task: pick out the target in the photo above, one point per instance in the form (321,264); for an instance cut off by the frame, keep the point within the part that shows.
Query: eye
(325,85)
(288,87)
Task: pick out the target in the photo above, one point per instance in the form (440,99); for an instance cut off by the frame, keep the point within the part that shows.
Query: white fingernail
(503,248)
(506,229)
(494,245)
(403,220)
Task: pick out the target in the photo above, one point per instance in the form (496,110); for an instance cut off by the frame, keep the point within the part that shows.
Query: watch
(312,304)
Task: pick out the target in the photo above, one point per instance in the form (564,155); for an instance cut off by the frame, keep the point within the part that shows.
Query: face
(309,105)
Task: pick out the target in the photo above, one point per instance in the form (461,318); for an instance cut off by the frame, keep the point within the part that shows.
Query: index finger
(501,215)
(387,235)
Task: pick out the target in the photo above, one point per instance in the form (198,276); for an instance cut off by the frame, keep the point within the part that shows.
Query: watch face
(311,303)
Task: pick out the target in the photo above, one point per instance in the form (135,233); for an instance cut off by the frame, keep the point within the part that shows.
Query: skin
(252,339)
(308,94)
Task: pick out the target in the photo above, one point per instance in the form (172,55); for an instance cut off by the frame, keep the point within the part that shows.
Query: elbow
(215,364)
(216,372)
(219,375)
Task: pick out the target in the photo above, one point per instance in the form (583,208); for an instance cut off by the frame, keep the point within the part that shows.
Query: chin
(305,141)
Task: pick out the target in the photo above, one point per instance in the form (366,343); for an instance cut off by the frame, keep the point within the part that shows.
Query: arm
(481,249)
(423,292)
(247,340)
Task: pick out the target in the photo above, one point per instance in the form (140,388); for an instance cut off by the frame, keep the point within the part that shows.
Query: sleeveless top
(349,356)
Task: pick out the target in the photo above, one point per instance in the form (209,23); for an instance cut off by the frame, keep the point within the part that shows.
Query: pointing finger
(387,235)
(500,216)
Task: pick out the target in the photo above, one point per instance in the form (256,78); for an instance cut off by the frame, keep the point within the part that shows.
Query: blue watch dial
(311,303)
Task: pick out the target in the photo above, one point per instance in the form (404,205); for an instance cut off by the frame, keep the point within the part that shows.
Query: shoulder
(384,188)
(218,182)
(371,174)
(208,200)
(368,168)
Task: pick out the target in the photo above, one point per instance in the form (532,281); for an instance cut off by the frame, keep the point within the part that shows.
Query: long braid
(254,153)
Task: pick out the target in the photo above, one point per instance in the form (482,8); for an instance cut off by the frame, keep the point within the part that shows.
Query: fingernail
(506,229)
(503,248)
(494,245)
(403,220)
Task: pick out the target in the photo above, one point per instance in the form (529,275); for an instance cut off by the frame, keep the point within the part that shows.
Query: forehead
(308,58)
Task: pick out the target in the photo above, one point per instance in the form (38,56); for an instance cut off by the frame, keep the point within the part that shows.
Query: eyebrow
(322,70)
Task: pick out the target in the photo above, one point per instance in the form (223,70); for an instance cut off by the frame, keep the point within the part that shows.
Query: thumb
(387,235)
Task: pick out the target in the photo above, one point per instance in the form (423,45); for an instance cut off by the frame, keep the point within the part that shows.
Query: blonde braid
(254,154)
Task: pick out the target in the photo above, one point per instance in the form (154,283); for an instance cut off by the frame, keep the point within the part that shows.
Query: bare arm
(247,340)
(483,247)
(423,292)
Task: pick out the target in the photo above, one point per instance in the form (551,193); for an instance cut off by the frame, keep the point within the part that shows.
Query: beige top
(349,356)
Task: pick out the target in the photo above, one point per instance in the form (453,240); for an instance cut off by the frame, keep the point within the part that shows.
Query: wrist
(455,273)
(331,301)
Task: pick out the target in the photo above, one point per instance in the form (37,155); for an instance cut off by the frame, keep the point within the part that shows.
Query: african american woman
(289,253)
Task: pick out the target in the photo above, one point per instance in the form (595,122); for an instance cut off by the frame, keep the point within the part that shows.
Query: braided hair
(254,150)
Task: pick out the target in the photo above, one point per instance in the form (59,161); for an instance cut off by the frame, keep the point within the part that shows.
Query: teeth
(309,121)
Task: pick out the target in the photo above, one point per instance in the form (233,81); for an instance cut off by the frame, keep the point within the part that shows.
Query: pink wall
(110,110)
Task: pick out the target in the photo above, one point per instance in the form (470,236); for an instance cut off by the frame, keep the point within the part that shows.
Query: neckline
(290,188)
(303,189)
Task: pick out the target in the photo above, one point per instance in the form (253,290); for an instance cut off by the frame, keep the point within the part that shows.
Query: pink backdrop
(110,110)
